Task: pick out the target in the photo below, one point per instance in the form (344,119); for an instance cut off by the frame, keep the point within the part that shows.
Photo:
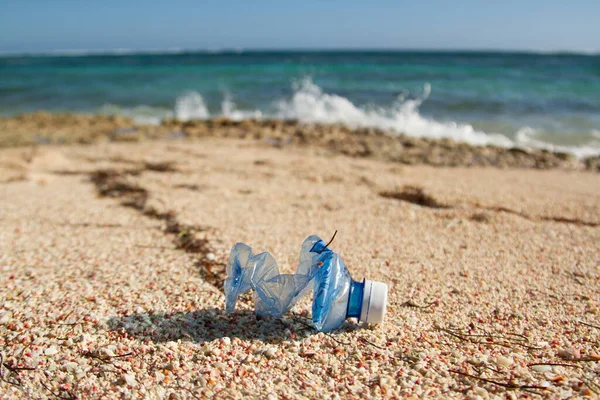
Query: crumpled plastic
(275,294)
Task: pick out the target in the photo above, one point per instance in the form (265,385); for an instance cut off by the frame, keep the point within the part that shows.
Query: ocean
(549,101)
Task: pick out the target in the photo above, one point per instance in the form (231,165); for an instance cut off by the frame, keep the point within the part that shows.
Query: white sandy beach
(493,275)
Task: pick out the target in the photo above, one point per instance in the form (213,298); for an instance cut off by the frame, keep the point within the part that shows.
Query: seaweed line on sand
(417,195)
(115,183)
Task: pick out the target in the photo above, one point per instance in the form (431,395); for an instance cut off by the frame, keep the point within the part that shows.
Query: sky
(150,25)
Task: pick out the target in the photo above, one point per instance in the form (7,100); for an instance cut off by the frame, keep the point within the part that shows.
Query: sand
(112,259)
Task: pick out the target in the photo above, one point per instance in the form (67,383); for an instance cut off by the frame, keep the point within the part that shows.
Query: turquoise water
(531,100)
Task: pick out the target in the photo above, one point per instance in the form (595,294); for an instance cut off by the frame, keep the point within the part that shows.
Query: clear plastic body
(336,296)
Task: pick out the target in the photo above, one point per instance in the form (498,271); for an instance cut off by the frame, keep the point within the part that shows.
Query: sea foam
(309,103)
(191,105)
(526,137)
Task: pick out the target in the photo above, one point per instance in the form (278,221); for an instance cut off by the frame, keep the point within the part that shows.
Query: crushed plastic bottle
(336,295)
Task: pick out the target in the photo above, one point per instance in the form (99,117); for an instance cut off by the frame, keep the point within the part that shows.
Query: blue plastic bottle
(336,296)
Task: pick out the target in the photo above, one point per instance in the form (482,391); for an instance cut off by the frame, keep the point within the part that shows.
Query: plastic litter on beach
(336,295)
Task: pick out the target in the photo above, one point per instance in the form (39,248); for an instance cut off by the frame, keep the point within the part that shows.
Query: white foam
(526,138)
(143,115)
(189,106)
(310,104)
(229,110)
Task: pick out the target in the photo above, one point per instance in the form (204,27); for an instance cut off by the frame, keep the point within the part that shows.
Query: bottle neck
(355,299)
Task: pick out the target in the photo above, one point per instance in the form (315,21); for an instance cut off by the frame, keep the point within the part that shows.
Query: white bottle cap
(374,302)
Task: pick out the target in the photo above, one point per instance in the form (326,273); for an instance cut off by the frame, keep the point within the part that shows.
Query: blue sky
(550,25)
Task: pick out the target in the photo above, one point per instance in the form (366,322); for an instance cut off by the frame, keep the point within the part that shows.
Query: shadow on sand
(207,325)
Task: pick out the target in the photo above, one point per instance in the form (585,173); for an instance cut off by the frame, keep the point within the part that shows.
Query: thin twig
(506,385)
(312,328)
(479,366)
(469,338)
(487,335)
(333,237)
(336,340)
(105,359)
(555,364)
(411,303)
(58,396)
(371,343)
(187,389)
(297,319)
(121,355)
(590,325)
(17,369)
(50,390)
(23,352)
(68,315)
(585,359)
(525,338)
(11,368)
(17,382)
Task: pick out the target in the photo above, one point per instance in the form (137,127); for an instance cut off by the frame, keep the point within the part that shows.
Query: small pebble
(6,317)
(72,366)
(108,351)
(220,365)
(569,354)
(504,361)
(130,379)
(50,351)
(542,368)
(271,353)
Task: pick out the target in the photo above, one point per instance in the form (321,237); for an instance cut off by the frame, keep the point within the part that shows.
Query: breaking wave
(309,103)
(191,106)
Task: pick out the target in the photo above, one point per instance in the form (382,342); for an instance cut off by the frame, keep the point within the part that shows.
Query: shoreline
(41,128)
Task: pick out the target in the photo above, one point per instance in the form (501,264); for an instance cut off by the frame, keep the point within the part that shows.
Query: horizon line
(227,50)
